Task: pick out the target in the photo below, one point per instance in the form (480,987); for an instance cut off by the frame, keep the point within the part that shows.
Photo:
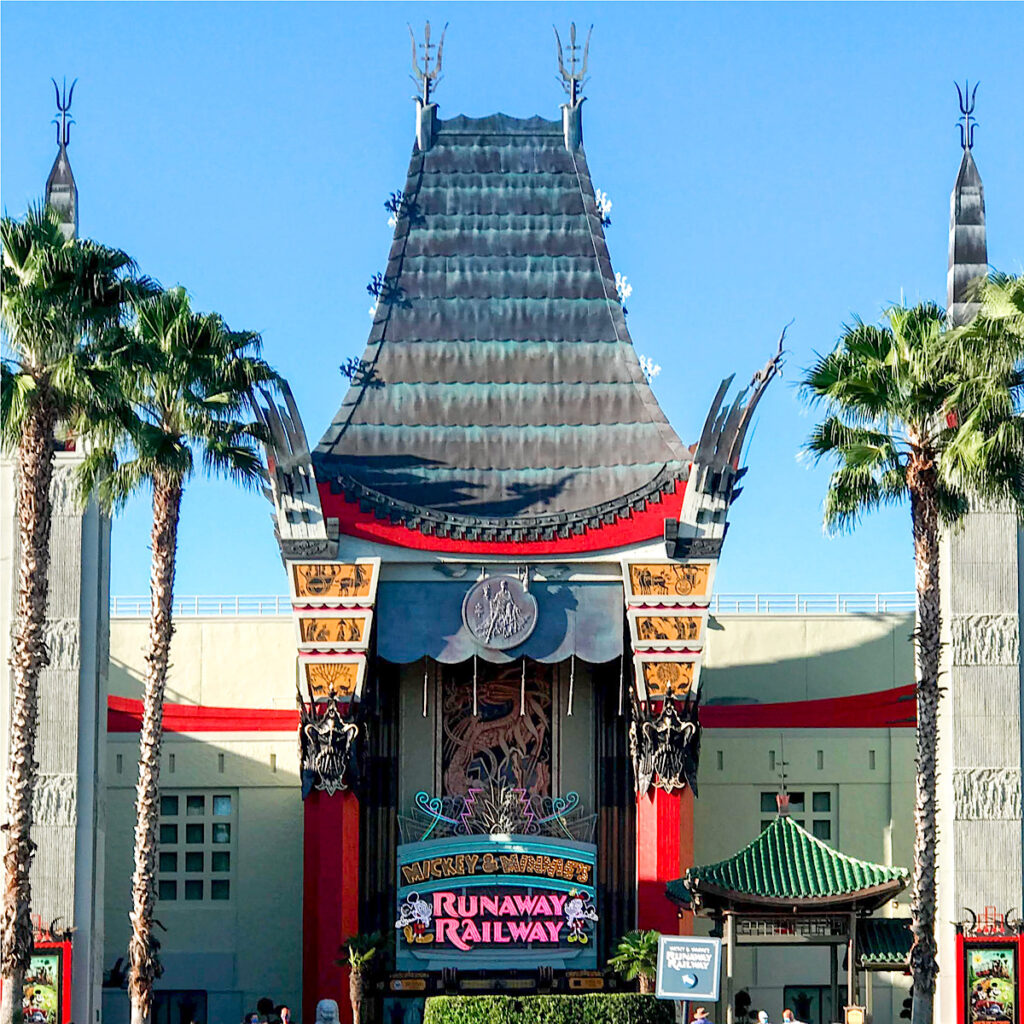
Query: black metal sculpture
(966,121)
(574,77)
(64,96)
(328,745)
(427,77)
(664,745)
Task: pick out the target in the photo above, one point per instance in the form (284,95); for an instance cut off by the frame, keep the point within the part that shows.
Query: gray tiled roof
(505,393)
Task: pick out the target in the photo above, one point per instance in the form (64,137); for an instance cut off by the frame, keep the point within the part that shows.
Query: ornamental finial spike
(966,122)
(575,76)
(63,121)
(428,76)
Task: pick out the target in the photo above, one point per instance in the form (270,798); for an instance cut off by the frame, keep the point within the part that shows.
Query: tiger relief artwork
(667,677)
(497,745)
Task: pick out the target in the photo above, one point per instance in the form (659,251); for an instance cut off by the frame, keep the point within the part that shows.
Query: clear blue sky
(765,163)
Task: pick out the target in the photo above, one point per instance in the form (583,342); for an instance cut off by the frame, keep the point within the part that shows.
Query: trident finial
(966,122)
(63,96)
(428,76)
(575,77)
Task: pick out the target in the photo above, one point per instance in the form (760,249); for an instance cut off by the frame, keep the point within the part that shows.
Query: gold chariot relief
(670,580)
(334,581)
(662,678)
(340,679)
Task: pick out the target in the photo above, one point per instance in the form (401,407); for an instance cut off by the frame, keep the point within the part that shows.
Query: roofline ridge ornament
(966,121)
(574,78)
(63,97)
(427,77)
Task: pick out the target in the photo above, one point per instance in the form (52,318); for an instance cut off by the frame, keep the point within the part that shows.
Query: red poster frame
(966,943)
(63,951)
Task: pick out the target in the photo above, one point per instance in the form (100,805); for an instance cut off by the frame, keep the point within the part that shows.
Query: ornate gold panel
(342,679)
(667,677)
(335,582)
(325,630)
(669,580)
(682,628)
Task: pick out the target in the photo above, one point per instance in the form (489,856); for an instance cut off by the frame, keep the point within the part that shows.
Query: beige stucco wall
(252,947)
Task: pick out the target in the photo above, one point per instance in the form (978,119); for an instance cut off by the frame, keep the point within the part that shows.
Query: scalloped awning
(424,620)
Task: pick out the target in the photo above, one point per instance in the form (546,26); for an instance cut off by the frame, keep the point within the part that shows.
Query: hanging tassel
(622,679)
(572,681)
(424,687)
(522,692)
(476,709)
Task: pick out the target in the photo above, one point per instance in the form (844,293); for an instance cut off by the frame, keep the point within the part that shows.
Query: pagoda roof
(499,394)
(883,943)
(787,866)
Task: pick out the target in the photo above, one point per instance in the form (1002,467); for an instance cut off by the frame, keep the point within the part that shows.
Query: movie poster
(42,989)
(991,975)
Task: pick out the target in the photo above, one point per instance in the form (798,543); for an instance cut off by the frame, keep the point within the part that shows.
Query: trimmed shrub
(592,1008)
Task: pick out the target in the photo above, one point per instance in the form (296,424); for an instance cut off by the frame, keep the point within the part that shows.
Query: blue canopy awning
(417,620)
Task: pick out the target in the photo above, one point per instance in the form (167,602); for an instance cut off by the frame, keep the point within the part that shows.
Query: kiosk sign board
(688,968)
(496,902)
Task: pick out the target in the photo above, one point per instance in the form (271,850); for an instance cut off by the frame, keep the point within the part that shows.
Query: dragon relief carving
(329,741)
(664,745)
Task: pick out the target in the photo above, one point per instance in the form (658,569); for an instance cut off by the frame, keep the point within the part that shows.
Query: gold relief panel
(327,630)
(668,583)
(338,676)
(661,675)
(335,583)
(655,629)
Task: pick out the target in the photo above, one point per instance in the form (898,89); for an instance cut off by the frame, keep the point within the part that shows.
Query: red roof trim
(626,530)
(885,709)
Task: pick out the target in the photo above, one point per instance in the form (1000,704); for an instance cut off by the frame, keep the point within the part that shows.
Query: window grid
(196,851)
(813,809)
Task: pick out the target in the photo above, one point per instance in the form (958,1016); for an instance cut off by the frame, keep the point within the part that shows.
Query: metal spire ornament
(966,122)
(575,76)
(427,77)
(63,121)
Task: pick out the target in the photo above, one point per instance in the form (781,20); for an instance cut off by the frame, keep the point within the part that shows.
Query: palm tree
(636,956)
(58,296)
(190,387)
(919,411)
(359,952)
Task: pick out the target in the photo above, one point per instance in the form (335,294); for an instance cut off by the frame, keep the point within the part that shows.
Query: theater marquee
(496,902)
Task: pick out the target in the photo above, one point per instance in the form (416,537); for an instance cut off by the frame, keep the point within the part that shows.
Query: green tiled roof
(884,942)
(786,863)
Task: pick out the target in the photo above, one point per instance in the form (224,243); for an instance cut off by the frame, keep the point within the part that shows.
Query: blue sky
(765,162)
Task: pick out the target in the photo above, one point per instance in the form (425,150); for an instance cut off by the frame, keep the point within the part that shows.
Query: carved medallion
(499,612)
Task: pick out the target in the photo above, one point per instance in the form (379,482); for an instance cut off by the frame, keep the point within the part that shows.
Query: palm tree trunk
(28,657)
(921,480)
(646,984)
(164,539)
(356,987)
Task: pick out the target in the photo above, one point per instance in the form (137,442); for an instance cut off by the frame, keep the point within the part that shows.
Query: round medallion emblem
(500,612)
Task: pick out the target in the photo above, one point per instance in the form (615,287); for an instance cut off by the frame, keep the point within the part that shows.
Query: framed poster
(47,990)
(991,983)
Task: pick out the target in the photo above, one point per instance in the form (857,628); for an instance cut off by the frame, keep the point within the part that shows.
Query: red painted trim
(885,709)
(124,714)
(630,529)
(330,897)
(658,834)
(64,949)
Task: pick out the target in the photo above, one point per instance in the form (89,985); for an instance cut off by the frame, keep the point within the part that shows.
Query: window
(814,810)
(195,856)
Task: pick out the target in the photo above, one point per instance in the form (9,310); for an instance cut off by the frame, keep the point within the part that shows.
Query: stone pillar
(980,850)
(67,872)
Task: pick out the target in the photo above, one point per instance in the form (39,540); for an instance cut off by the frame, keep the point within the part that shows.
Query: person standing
(700,1016)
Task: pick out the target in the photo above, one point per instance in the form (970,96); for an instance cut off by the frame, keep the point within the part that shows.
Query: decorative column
(667,609)
(333,609)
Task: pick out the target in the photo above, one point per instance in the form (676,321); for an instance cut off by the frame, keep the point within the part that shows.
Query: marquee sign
(496,902)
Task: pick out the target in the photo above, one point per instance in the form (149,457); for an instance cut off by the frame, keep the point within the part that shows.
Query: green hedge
(592,1008)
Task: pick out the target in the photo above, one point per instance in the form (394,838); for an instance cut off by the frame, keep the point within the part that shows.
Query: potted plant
(636,957)
(360,949)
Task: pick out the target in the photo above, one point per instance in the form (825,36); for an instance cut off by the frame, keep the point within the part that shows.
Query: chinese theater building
(501,557)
